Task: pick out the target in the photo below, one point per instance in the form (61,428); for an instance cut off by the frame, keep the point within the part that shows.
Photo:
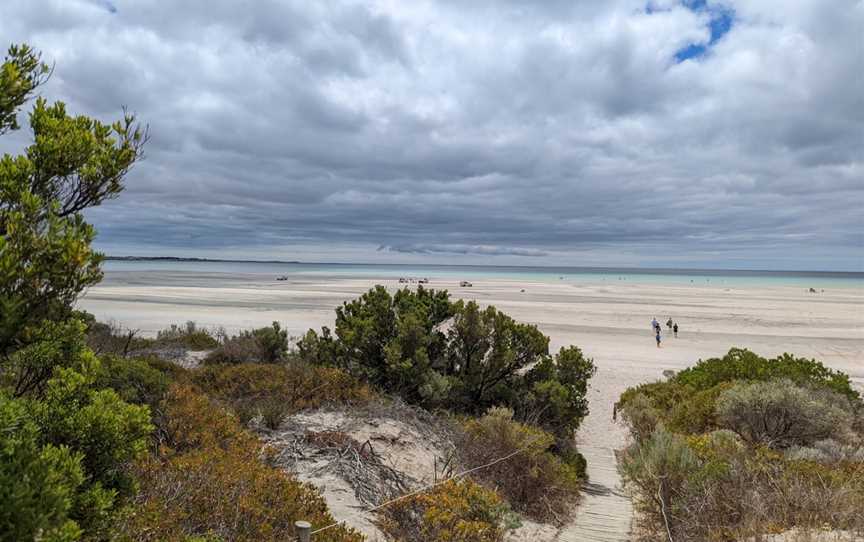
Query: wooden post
(303,530)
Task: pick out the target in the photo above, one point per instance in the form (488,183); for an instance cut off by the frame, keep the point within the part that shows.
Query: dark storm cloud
(489,131)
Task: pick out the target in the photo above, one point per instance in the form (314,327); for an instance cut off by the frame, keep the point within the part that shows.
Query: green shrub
(534,481)
(479,359)
(716,485)
(51,345)
(107,433)
(780,414)
(640,416)
(554,393)
(456,511)
(262,345)
(744,365)
(662,467)
(274,391)
(208,480)
(686,402)
(189,336)
(134,380)
(38,482)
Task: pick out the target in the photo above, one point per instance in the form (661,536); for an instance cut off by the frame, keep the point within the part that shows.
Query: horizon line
(550,267)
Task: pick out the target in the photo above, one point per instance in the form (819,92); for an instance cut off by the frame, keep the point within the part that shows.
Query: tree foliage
(66,443)
(38,481)
(74,163)
(440,353)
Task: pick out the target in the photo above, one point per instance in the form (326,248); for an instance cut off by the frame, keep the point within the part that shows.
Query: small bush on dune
(780,414)
(456,511)
(208,480)
(277,390)
(189,336)
(533,480)
(262,345)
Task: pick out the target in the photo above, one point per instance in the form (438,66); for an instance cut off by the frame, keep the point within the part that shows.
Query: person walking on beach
(658,336)
(669,323)
(675,329)
(655,325)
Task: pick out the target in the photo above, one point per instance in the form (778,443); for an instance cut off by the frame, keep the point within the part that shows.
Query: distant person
(657,336)
(654,324)
(669,323)
(675,329)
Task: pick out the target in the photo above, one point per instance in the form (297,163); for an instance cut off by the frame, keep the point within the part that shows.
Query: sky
(672,133)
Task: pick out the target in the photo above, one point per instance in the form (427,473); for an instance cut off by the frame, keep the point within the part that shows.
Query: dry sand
(609,320)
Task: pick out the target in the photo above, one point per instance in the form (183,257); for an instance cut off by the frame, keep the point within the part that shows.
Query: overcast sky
(585,132)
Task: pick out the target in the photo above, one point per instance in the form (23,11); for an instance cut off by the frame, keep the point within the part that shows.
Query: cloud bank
(608,132)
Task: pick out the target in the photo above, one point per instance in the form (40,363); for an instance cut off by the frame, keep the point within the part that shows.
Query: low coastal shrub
(535,481)
(263,345)
(112,339)
(135,380)
(743,365)
(66,441)
(456,511)
(440,353)
(39,481)
(687,402)
(208,480)
(274,391)
(735,452)
(780,414)
(189,336)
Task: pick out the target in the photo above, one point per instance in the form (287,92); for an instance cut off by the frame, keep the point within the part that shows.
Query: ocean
(117,269)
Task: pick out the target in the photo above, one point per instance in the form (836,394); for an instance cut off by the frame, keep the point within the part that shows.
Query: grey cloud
(549,132)
(462,249)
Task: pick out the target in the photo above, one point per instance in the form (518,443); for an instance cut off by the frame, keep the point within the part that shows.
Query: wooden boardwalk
(605,513)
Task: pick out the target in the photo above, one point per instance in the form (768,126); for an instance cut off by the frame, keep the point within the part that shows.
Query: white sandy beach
(610,322)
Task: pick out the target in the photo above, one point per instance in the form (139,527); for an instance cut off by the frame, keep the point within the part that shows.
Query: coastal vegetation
(439,353)
(104,437)
(99,446)
(743,446)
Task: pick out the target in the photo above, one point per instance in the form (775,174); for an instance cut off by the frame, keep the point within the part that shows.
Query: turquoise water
(806,279)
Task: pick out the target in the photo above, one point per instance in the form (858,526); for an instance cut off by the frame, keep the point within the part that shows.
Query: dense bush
(438,353)
(773,471)
(189,336)
(687,402)
(208,480)
(135,380)
(780,414)
(274,391)
(38,482)
(75,441)
(456,511)
(662,467)
(262,345)
(532,479)
(107,432)
(742,364)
